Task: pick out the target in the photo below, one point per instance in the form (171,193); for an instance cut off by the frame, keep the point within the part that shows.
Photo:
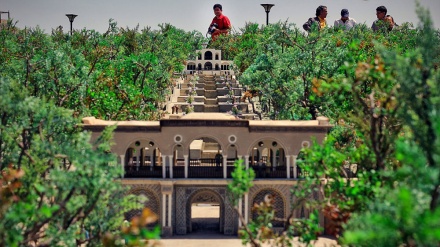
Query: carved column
(240,210)
(170,206)
(239,157)
(246,161)
(138,159)
(152,160)
(295,170)
(164,173)
(171,165)
(122,157)
(225,165)
(167,215)
(164,206)
(185,157)
(288,157)
(274,159)
(246,207)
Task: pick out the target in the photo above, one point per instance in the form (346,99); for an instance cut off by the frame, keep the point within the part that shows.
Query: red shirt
(223,23)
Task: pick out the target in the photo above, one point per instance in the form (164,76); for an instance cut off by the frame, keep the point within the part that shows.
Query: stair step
(211,94)
(211,108)
(210,86)
(210,101)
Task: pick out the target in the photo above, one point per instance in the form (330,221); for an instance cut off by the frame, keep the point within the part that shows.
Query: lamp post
(267,8)
(71,18)
(4,12)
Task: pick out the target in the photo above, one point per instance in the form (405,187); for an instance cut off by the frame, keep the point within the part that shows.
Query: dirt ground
(213,239)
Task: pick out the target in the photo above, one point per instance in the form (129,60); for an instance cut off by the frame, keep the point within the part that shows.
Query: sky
(197,14)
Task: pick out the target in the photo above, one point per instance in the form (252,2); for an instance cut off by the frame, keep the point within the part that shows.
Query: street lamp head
(71,17)
(267,6)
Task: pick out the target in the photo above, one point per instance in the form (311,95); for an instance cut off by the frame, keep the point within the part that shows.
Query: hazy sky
(197,14)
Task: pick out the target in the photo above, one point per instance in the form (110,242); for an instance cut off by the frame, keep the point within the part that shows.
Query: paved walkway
(212,239)
(218,240)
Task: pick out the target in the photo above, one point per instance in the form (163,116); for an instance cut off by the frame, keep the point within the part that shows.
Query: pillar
(167,199)
(295,170)
(138,159)
(274,159)
(246,161)
(122,157)
(170,200)
(171,165)
(240,210)
(185,157)
(164,173)
(164,203)
(151,160)
(240,157)
(225,164)
(246,207)
(288,165)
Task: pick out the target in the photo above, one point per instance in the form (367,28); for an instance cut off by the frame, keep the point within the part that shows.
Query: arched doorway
(205,212)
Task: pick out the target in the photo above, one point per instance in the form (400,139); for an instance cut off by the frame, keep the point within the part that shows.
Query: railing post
(185,157)
(295,172)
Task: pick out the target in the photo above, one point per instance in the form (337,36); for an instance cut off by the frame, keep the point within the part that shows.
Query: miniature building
(185,159)
(172,162)
(209,62)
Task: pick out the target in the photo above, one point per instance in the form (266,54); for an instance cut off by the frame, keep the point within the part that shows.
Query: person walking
(345,21)
(319,20)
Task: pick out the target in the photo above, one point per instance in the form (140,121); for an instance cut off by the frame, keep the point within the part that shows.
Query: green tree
(59,195)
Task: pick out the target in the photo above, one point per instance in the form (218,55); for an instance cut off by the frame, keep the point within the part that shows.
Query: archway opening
(208,55)
(268,159)
(205,212)
(205,159)
(208,66)
(143,159)
(205,218)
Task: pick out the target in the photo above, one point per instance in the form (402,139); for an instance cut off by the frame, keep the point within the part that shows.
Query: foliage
(376,176)
(121,74)
(407,205)
(57,176)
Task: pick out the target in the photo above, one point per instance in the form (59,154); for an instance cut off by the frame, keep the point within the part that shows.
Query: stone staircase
(211,102)
(213,93)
